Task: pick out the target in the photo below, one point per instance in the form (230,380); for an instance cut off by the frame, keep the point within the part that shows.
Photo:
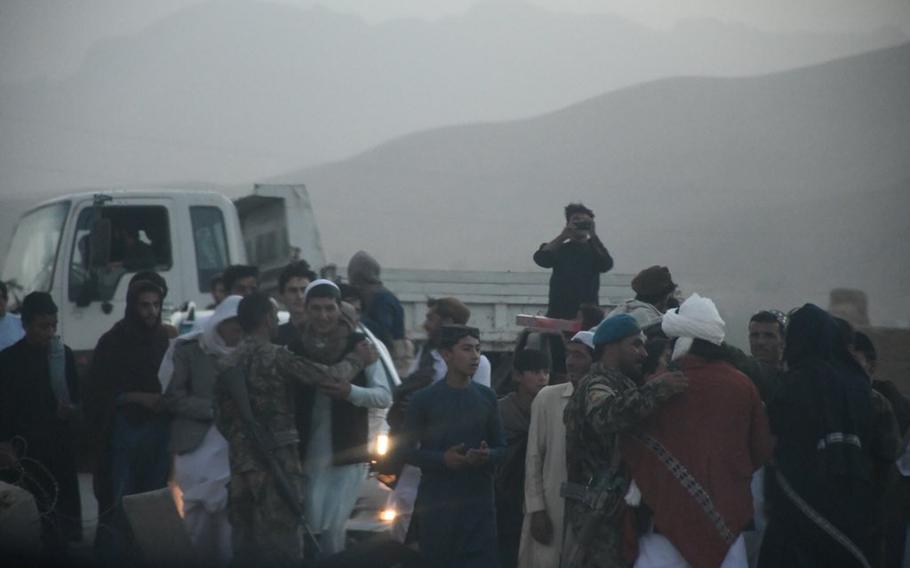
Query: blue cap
(615,328)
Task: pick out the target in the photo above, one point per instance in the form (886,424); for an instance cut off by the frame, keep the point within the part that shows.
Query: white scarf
(696,318)
(209,339)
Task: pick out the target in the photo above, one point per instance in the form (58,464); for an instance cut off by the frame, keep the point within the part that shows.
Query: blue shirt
(10,330)
(441,416)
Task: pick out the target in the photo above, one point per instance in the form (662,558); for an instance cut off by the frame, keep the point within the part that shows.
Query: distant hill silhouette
(796,179)
(234,91)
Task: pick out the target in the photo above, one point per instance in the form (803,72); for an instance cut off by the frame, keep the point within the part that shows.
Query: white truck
(82,248)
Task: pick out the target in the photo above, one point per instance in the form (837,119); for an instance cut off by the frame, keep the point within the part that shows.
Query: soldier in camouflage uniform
(265,530)
(606,402)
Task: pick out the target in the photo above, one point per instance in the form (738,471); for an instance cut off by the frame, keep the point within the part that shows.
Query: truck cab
(84,248)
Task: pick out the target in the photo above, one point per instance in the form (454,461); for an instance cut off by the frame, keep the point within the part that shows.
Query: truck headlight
(381,446)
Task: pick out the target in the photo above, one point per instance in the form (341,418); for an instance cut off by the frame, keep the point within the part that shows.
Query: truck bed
(494,297)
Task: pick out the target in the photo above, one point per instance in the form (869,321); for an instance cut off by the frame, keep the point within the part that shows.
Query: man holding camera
(577,257)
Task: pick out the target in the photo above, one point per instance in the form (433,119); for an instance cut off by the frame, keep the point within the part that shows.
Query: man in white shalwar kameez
(335,474)
(545,464)
(333,490)
(201,465)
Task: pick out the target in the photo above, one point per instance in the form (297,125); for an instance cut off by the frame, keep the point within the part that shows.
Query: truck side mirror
(100,243)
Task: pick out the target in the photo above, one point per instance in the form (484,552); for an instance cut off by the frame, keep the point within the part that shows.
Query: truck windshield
(33,253)
(140,240)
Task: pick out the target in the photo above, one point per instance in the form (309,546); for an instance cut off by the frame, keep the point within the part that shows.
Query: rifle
(602,496)
(234,380)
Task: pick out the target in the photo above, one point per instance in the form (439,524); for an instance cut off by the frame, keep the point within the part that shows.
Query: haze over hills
(708,174)
(780,186)
(231,92)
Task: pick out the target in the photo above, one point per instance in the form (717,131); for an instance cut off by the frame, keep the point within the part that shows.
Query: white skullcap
(321,282)
(586,338)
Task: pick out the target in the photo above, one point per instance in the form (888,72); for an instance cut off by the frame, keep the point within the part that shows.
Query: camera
(583,225)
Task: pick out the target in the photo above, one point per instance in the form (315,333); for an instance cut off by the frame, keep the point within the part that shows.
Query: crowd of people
(640,438)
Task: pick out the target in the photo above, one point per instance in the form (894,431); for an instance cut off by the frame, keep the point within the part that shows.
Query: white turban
(696,318)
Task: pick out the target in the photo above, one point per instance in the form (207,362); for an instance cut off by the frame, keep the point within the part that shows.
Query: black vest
(350,424)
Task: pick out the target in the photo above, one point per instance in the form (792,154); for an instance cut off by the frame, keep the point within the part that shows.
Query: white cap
(586,338)
(320,282)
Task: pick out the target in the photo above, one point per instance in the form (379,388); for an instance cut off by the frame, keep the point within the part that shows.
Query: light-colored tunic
(545,472)
(10,330)
(332,491)
(655,551)
(202,475)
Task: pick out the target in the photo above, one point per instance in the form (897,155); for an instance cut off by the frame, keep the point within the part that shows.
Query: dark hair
(767,316)
(709,351)
(139,287)
(4,291)
(655,348)
(450,335)
(253,310)
(591,315)
(237,272)
(296,269)
(153,277)
(863,344)
(845,331)
(37,304)
(655,299)
(573,208)
(530,360)
(215,281)
(451,308)
(654,331)
(348,291)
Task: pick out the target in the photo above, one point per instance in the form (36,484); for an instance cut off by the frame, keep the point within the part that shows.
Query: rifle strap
(689,483)
(820,521)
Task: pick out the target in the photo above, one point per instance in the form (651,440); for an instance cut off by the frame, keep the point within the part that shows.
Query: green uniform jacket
(605,404)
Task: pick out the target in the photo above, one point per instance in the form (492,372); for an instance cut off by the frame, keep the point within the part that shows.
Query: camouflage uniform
(265,531)
(605,403)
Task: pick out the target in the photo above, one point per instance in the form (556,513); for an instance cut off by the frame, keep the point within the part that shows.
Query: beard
(632,370)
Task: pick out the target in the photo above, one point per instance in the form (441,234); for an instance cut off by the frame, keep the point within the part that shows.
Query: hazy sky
(152,109)
(49,38)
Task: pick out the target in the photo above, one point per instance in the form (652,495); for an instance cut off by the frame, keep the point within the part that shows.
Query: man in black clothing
(896,500)
(577,257)
(38,396)
(128,426)
(767,331)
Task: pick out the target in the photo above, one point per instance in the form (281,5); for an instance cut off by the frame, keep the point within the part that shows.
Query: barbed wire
(46,494)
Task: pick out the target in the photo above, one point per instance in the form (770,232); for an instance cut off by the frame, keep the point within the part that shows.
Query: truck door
(278,227)
(142,237)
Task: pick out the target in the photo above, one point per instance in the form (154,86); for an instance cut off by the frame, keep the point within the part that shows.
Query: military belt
(595,498)
(285,438)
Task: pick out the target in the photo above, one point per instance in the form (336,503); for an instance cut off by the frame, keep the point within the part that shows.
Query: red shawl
(717,429)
